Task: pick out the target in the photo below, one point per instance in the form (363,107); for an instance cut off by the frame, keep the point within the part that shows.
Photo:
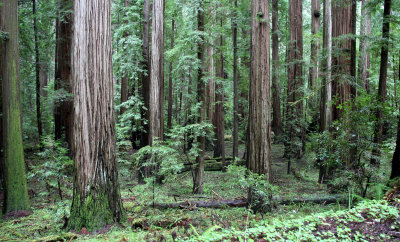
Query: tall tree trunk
(342,13)
(210,98)
(124,79)
(170,94)
(315,25)
(326,91)
(396,156)
(235,83)
(16,195)
(219,149)
(365,32)
(63,112)
(157,73)
(144,136)
(258,158)
(295,81)
(276,102)
(37,67)
(381,98)
(96,195)
(198,175)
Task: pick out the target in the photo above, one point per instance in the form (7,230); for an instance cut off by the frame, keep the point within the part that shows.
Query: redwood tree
(63,113)
(258,159)
(96,195)
(295,81)
(198,175)
(235,82)
(16,194)
(365,57)
(381,97)
(37,68)
(276,102)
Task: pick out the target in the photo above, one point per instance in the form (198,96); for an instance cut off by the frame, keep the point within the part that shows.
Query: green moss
(93,212)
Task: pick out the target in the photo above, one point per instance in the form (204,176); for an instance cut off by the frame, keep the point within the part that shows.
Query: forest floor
(370,220)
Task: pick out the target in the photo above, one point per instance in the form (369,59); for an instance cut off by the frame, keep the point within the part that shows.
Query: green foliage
(55,166)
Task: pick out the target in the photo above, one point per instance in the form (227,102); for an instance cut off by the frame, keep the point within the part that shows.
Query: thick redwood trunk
(381,98)
(276,101)
(170,94)
(315,25)
(198,175)
(63,113)
(235,84)
(16,192)
(258,158)
(295,82)
(96,195)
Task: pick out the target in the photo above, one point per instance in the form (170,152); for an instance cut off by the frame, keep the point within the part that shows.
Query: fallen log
(204,204)
(243,202)
(208,166)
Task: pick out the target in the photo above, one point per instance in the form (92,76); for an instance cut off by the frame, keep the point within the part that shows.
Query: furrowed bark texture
(157,73)
(16,195)
(295,81)
(198,175)
(63,113)
(341,26)
(276,102)
(96,194)
(381,98)
(259,126)
(235,84)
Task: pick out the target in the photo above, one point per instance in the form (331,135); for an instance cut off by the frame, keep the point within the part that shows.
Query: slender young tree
(235,82)
(276,102)
(381,97)
(63,112)
(365,57)
(96,195)
(295,81)
(37,66)
(219,149)
(258,158)
(170,83)
(198,175)
(16,194)
(124,79)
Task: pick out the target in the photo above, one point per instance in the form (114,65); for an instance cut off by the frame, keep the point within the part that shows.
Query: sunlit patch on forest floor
(144,222)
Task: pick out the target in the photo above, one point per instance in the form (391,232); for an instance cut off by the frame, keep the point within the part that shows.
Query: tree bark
(157,73)
(381,98)
(124,79)
(342,13)
(219,149)
(210,99)
(96,195)
(235,83)
(365,57)
(144,136)
(276,102)
(315,25)
(170,94)
(258,158)
(16,195)
(295,81)
(37,68)
(198,175)
(326,91)
(63,112)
